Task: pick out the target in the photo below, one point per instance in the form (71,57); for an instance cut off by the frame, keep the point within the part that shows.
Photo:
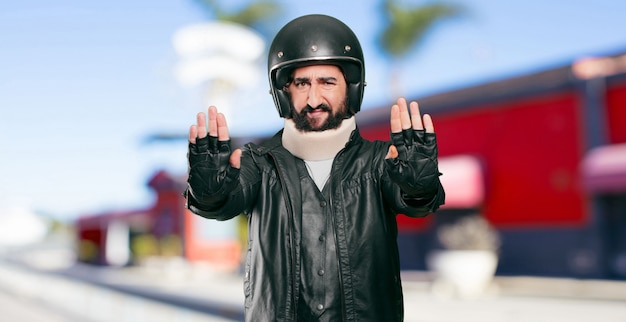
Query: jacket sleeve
(413,206)
(228,203)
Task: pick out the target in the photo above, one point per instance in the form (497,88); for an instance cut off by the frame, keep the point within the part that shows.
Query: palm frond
(407,26)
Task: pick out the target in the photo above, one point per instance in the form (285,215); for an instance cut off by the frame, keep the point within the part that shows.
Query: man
(321,201)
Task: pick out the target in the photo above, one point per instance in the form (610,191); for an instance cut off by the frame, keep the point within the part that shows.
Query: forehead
(315,71)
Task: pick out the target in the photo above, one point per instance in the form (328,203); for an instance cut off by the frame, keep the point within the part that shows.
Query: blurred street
(46,285)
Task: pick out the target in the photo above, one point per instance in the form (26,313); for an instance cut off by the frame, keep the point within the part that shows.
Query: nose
(314,97)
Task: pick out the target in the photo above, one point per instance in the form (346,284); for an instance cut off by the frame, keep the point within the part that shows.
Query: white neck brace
(316,146)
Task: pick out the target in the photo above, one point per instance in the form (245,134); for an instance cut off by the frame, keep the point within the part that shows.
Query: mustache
(322,107)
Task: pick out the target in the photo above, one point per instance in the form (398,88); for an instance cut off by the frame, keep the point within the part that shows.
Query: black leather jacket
(364,204)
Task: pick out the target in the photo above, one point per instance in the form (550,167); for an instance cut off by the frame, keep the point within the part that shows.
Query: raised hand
(411,160)
(213,169)
(401,120)
(218,129)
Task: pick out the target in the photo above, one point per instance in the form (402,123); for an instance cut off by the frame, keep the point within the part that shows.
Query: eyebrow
(323,78)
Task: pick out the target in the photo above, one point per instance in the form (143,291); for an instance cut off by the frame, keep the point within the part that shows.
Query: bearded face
(319,97)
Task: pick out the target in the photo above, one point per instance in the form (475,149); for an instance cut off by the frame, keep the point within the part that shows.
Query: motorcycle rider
(321,201)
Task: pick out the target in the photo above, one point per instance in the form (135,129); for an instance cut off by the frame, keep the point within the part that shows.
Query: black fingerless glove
(415,169)
(211,178)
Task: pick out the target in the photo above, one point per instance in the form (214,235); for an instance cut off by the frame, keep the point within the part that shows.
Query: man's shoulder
(366,150)
(265,146)
(359,142)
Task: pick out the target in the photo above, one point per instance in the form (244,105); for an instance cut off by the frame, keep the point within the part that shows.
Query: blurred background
(96,98)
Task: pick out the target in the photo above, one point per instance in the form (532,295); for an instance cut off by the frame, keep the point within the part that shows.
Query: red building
(542,157)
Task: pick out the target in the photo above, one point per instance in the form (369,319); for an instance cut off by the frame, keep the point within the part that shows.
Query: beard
(306,124)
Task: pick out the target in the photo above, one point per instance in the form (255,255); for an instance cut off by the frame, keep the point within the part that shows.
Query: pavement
(199,292)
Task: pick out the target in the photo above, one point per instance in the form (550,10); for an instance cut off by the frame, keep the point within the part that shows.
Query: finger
(396,125)
(416,118)
(193,134)
(428,124)
(405,118)
(222,128)
(235,159)
(392,153)
(212,121)
(201,125)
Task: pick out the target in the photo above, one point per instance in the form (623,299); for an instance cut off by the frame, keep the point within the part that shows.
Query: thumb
(393,152)
(235,159)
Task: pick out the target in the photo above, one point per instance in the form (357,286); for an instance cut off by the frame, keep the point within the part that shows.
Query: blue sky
(83,83)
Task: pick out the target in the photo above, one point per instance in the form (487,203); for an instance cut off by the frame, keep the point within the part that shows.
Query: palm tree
(253,15)
(406,28)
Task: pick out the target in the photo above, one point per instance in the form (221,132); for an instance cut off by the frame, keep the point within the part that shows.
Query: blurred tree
(406,28)
(253,15)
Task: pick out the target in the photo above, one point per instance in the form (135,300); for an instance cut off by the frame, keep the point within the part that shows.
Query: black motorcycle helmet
(315,40)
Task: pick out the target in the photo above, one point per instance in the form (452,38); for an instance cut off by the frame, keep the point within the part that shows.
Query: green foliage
(144,245)
(148,245)
(248,16)
(407,26)
(88,251)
